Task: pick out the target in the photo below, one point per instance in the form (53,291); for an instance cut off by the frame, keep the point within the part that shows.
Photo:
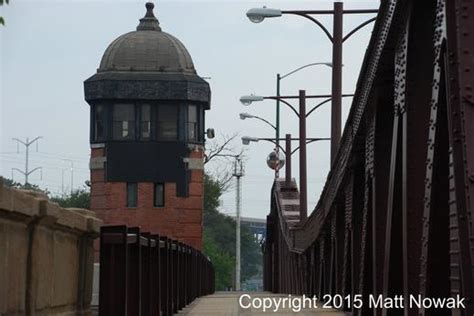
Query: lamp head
(244,116)
(247,139)
(248,99)
(257,15)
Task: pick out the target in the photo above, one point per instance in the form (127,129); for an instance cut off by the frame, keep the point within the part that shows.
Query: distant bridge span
(395,215)
(257,226)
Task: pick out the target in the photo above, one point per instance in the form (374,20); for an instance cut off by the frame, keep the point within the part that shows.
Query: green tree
(219,241)
(251,255)
(79,198)
(2,2)
(28,186)
(223,262)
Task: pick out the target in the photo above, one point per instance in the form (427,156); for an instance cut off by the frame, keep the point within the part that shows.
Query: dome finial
(149,22)
(149,10)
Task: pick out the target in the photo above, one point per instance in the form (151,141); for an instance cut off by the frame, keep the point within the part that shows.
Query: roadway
(227,304)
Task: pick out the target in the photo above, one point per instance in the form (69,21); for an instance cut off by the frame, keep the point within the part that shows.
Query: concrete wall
(46,256)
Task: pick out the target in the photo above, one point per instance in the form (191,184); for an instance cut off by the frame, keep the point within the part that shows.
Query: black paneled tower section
(148,162)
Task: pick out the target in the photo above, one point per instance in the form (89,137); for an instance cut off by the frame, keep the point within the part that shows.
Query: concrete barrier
(46,255)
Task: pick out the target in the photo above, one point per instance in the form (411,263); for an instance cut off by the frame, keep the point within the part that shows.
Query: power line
(60,156)
(52,166)
(50,156)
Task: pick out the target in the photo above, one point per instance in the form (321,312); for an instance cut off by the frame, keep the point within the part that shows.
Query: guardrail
(147,274)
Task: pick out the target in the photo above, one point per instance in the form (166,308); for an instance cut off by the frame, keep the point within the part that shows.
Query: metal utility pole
(288,159)
(337,39)
(72,173)
(277,135)
(238,173)
(336,95)
(62,181)
(303,170)
(27,144)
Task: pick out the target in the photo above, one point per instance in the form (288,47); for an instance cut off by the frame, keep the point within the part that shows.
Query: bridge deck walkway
(227,304)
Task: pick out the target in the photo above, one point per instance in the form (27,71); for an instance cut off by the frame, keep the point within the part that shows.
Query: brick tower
(147,108)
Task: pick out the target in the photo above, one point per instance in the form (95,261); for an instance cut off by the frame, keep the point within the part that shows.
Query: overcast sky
(48,48)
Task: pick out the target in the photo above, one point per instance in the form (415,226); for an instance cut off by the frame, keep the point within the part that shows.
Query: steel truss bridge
(395,215)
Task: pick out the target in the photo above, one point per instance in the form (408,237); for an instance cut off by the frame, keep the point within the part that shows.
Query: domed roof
(147,49)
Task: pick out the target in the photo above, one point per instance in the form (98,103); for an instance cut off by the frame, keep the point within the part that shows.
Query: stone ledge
(12,200)
(51,245)
(30,204)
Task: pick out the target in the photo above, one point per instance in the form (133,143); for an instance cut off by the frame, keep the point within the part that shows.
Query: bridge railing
(147,274)
(395,217)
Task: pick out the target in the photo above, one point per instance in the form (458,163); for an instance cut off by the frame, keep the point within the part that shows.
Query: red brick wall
(180,218)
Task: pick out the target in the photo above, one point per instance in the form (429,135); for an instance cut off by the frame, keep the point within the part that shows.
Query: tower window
(132,194)
(124,121)
(193,123)
(167,122)
(159,195)
(145,121)
(99,122)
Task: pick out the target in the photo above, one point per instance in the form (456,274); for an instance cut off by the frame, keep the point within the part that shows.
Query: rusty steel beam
(339,244)
(347,263)
(459,28)
(395,215)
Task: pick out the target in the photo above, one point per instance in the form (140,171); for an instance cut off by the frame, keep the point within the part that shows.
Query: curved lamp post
(247,100)
(337,38)
(244,116)
(246,140)
(302,115)
(278,80)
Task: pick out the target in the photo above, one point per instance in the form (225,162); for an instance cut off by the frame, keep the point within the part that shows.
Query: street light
(247,139)
(248,99)
(302,114)
(337,38)
(257,15)
(303,67)
(280,78)
(244,116)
